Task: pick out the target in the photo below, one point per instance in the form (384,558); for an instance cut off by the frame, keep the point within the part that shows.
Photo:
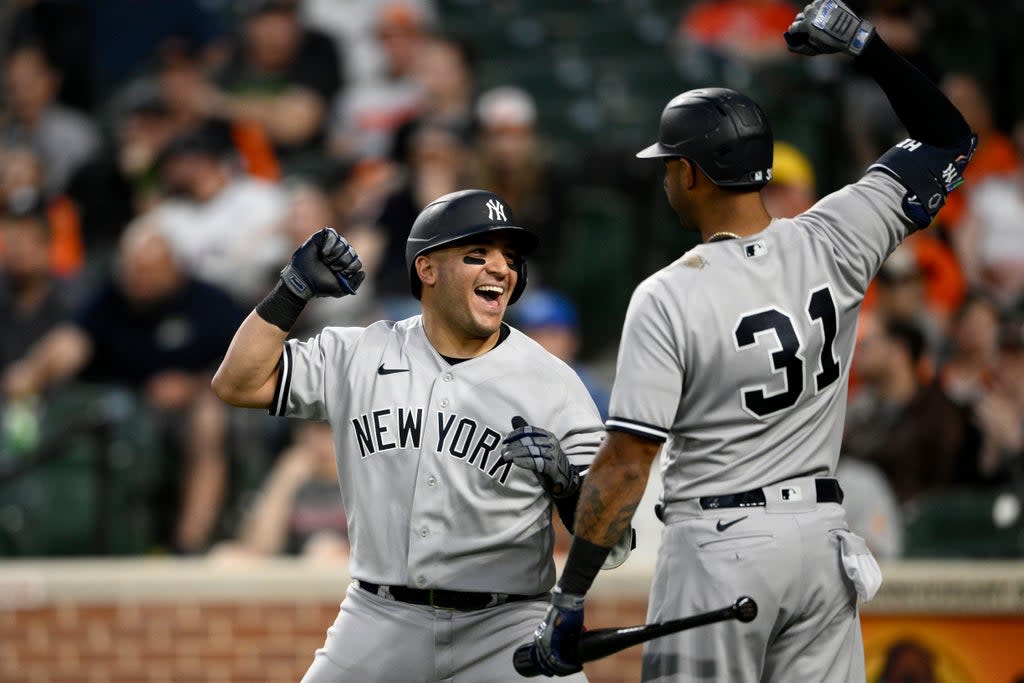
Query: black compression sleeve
(582,565)
(924,110)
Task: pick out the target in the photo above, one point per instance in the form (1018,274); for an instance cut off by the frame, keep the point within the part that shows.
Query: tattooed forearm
(600,518)
(612,490)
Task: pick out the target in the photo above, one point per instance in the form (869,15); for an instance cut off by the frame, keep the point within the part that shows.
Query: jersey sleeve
(864,222)
(581,430)
(306,369)
(649,372)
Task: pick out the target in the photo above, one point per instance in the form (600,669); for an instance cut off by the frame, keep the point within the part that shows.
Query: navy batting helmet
(460,215)
(722,131)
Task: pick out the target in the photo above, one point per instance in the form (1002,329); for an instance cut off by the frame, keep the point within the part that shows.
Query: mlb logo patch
(792,493)
(755,249)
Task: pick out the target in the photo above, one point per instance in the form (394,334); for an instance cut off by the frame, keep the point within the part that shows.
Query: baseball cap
(506,107)
(790,166)
(202,142)
(545,308)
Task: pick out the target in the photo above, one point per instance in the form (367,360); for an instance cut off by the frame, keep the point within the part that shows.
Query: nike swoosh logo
(722,527)
(390,371)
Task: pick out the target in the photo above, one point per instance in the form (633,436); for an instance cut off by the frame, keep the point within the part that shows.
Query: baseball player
(449,507)
(736,359)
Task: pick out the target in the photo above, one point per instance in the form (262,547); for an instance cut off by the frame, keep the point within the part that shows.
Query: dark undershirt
(502,336)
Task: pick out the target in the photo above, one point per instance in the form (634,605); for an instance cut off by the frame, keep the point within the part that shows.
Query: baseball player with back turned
(736,358)
(449,507)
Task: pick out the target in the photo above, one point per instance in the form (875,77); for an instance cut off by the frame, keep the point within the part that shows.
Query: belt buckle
(430,600)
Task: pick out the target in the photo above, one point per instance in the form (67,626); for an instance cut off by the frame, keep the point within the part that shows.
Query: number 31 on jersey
(753,329)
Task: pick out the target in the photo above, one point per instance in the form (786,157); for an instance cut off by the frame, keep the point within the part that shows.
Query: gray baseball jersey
(737,356)
(429,502)
(738,353)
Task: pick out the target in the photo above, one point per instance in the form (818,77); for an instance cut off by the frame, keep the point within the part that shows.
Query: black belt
(444,599)
(828,491)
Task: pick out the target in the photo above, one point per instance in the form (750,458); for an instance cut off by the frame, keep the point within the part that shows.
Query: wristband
(281,307)
(581,567)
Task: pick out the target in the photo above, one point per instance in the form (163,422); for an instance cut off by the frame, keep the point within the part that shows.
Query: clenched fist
(325,265)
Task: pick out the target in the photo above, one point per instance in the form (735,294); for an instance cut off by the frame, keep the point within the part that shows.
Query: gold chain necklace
(719,236)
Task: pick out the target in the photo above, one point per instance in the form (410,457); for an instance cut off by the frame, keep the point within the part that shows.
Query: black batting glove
(554,651)
(325,265)
(827,26)
(537,449)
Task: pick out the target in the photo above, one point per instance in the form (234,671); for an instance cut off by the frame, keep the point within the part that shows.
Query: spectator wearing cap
(122,182)
(222,224)
(550,319)
(439,158)
(791,190)
(513,162)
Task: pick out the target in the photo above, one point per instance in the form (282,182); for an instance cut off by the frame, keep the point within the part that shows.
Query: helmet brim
(656,151)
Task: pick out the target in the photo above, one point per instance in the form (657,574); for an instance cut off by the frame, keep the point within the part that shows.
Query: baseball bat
(605,641)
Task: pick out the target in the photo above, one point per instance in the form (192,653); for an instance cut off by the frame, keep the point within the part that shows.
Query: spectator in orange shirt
(747,29)
(995,153)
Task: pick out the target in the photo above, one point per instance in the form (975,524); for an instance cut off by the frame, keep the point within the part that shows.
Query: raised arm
(930,164)
(325,265)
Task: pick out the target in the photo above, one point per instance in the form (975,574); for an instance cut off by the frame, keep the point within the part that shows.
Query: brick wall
(195,641)
(190,621)
(186,622)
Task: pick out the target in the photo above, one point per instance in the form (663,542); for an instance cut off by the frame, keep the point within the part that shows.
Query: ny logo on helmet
(495,210)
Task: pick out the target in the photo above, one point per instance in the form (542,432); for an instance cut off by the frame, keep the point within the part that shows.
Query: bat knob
(523,663)
(746,609)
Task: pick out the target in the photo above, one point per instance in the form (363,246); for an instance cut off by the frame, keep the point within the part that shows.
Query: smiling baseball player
(449,507)
(736,357)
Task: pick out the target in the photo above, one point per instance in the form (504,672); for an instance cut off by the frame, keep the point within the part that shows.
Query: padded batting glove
(827,26)
(556,641)
(325,265)
(537,449)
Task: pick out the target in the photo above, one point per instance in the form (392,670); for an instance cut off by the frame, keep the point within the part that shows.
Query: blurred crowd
(159,162)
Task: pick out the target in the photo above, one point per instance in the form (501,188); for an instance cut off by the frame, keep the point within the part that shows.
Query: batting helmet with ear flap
(722,131)
(460,215)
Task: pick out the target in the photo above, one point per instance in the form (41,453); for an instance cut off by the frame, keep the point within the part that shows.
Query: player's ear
(688,174)
(426,269)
